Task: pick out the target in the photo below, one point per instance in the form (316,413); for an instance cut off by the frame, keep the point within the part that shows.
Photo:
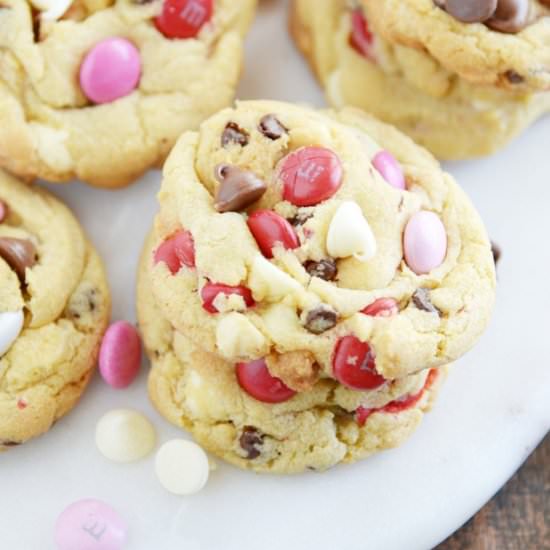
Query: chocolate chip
(421,299)
(300,219)
(321,319)
(271,127)
(325,269)
(9,443)
(511,16)
(471,11)
(233,133)
(82,302)
(497,252)
(18,254)
(239,188)
(251,441)
(513,77)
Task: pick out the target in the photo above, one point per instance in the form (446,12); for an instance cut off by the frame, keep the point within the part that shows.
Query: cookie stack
(462,77)
(308,278)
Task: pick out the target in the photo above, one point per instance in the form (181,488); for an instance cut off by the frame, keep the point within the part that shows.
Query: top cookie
(504,43)
(82,80)
(287,230)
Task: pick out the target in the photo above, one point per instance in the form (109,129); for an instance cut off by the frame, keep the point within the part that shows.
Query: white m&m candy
(182,467)
(11,323)
(52,9)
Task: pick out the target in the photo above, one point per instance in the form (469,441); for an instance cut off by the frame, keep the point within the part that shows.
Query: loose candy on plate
(120,355)
(90,524)
(11,324)
(349,234)
(110,70)
(125,435)
(425,242)
(182,467)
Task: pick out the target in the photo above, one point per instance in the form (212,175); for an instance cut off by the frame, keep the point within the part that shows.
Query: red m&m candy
(269,229)
(310,175)
(383,307)
(255,379)
(361,38)
(353,365)
(210,292)
(177,251)
(184,18)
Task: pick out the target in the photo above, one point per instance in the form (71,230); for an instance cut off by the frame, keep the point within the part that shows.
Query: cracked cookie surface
(316,429)
(401,82)
(333,291)
(52,130)
(54,307)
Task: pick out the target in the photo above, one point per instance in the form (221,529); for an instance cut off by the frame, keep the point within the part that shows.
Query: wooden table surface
(518,517)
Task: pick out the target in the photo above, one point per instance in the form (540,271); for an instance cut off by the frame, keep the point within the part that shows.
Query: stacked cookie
(54,308)
(309,276)
(101,89)
(461,77)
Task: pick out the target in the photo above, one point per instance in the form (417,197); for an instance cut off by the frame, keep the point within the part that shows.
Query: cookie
(327,241)
(454,110)
(54,307)
(313,430)
(82,79)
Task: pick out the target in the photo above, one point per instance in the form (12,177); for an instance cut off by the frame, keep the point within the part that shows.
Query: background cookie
(314,430)
(455,115)
(347,281)
(79,84)
(54,307)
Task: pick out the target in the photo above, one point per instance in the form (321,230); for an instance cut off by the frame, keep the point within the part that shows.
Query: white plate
(493,410)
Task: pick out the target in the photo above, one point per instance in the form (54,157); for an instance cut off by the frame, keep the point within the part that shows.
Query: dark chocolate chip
(238,188)
(321,319)
(300,219)
(513,77)
(19,254)
(421,299)
(251,441)
(497,252)
(511,16)
(271,127)
(325,269)
(471,11)
(234,134)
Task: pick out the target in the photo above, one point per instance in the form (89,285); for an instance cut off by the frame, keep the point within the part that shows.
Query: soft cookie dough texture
(50,130)
(63,294)
(462,90)
(438,316)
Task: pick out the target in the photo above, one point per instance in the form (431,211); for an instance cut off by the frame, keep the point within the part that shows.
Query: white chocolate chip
(182,467)
(11,323)
(349,234)
(124,435)
(52,9)
(270,283)
(236,336)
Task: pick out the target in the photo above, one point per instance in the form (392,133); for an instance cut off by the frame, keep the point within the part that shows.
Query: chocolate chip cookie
(101,89)
(326,245)
(243,420)
(54,307)
(461,78)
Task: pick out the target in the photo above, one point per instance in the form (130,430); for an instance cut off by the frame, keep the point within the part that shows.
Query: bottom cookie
(314,430)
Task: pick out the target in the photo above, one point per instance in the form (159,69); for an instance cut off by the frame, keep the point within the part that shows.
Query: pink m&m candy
(389,169)
(110,70)
(184,18)
(177,251)
(256,380)
(90,525)
(310,175)
(361,38)
(425,242)
(120,355)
